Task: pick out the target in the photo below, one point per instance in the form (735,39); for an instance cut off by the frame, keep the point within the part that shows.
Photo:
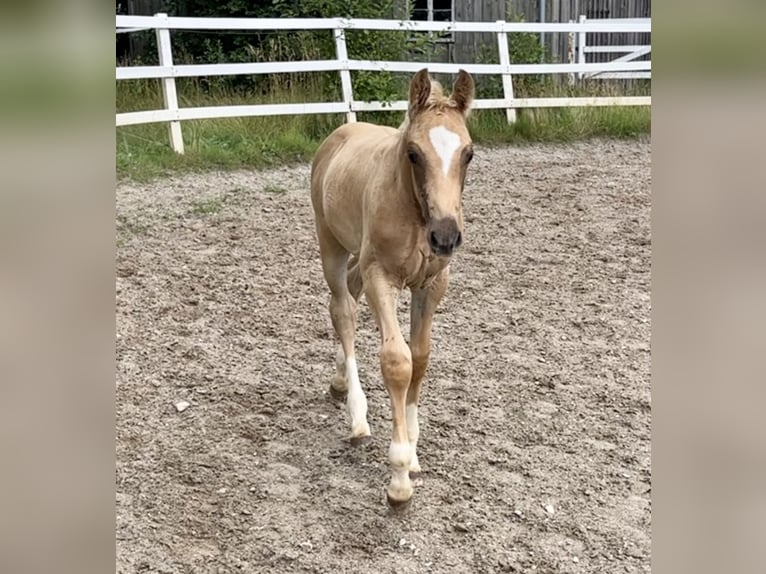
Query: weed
(275,189)
(209,206)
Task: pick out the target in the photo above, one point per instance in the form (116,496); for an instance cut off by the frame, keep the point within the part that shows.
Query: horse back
(347,165)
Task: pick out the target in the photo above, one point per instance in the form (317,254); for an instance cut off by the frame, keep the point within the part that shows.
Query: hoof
(398,505)
(338,395)
(359,440)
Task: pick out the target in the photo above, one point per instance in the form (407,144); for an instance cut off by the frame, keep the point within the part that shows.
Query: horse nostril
(432,238)
(459,240)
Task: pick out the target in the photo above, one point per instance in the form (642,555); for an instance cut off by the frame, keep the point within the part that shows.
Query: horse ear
(420,90)
(462,91)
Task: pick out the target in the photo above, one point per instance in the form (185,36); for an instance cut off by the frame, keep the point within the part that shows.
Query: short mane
(437,102)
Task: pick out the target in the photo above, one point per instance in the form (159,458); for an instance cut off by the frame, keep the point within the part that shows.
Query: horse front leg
(396,368)
(346,382)
(424,304)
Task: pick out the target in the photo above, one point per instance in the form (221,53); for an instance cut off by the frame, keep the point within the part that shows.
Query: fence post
(581,47)
(345,74)
(169,93)
(505,61)
(571,54)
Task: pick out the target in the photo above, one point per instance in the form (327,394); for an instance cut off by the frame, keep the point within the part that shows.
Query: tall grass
(143,151)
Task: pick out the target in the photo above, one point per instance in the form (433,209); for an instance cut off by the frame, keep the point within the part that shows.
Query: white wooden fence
(166,71)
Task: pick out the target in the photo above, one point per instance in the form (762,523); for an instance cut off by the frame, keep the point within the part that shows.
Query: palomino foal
(389,215)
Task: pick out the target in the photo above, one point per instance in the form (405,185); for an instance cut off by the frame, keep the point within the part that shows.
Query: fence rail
(622,67)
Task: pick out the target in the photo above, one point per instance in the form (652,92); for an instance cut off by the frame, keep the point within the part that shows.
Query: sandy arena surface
(535,412)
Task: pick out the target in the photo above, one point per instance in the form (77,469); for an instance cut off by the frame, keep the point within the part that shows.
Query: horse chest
(425,268)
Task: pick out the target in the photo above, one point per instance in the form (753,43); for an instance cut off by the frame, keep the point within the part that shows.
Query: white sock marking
(356,401)
(413,432)
(445,143)
(400,457)
(413,429)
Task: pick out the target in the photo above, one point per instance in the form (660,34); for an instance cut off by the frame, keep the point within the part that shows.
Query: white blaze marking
(445,143)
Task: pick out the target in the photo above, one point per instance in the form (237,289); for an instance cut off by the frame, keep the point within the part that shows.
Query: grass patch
(275,189)
(143,152)
(559,124)
(207,206)
(127,227)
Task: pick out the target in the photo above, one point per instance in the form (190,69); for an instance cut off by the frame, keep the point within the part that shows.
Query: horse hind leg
(339,384)
(343,314)
(354,280)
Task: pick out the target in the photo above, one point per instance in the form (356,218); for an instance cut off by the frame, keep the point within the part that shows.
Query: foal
(388,213)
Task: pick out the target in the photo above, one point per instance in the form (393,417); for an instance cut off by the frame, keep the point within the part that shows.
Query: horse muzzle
(444,236)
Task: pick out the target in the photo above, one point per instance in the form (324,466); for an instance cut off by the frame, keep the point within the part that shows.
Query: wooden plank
(611,25)
(623,76)
(215,112)
(145,72)
(641,51)
(201,70)
(613,49)
(502,48)
(179,23)
(487,104)
(169,94)
(445,68)
(345,75)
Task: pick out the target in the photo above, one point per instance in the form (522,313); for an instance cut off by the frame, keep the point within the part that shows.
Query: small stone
(517,513)
(181,406)
(549,509)
(461,527)
(575,559)
(402,541)
(307,545)
(221,490)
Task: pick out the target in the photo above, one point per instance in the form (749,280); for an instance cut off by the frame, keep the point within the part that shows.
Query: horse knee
(396,365)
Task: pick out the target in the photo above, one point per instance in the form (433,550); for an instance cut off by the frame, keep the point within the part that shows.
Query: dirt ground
(535,413)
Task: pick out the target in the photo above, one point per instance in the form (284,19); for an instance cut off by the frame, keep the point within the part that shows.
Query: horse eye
(412,156)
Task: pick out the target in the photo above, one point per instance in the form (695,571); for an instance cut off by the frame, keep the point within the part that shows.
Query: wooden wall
(468,47)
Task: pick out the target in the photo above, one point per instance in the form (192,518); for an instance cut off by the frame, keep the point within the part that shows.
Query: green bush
(523,48)
(280,46)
